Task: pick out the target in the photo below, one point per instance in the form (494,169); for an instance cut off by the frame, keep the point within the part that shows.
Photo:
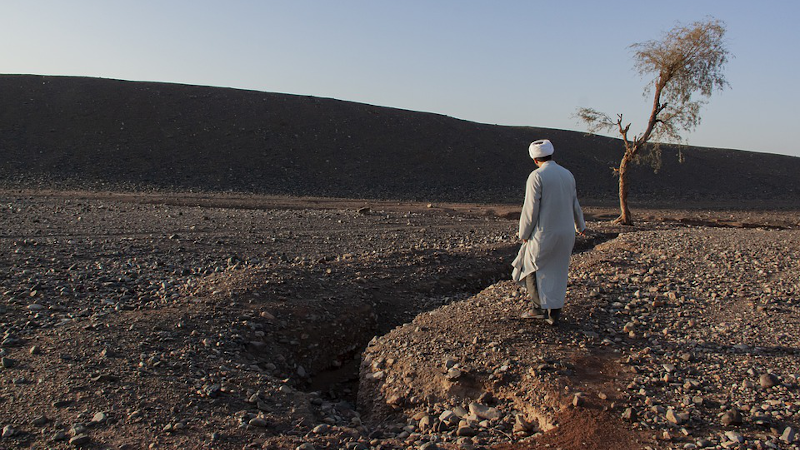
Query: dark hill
(106,134)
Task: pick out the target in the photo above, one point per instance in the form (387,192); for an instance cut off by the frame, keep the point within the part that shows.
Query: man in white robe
(550,217)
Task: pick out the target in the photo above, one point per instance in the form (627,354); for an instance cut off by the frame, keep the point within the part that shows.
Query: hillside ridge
(75,132)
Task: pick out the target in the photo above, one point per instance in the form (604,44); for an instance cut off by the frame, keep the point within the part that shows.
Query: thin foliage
(683,69)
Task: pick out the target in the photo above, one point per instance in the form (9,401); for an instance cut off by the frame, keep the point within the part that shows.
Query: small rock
(703,443)
(99,418)
(429,446)
(76,430)
(629,414)
(768,380)
(321,429)
(259,422)
(676,418)
(59,436)
(465,430)
(8,431)
(734,437)
(10,342)
(521,424)
(789,435)
(577,400)
(425,423)
(453,374)
(7,363)
(484,412)
(35,350)
(213,390)
(79,440)
(40,421)
(448,417)
(731,417)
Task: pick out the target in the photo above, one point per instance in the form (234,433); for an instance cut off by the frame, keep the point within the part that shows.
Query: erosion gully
(443,277)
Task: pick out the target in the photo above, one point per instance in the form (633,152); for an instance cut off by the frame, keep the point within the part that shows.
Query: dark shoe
(552,316)
(534,314)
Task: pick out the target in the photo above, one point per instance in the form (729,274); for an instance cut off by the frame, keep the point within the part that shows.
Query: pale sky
(529,63)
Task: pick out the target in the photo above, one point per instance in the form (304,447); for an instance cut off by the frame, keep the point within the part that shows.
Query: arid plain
(195,267)
(195,321)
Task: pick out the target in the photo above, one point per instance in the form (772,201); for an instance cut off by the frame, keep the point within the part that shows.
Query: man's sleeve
(577,212)
(530,209)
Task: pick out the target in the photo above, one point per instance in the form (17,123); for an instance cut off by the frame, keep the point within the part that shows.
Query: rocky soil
(174,321)
(674,338)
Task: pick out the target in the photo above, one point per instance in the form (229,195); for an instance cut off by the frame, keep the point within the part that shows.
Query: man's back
(551,205)
(557,210)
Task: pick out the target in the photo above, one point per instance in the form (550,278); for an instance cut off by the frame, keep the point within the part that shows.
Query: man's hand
(524,241)
(583,232)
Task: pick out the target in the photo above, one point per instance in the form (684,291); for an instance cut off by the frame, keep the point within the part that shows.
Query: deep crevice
(341,383)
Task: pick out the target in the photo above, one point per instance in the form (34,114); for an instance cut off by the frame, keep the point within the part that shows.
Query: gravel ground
(219,322)
(233,324)
(674,338)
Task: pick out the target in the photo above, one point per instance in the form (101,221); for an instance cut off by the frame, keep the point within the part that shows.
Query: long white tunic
(550,217)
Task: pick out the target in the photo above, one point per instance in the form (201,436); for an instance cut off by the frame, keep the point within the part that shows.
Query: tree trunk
(624,213)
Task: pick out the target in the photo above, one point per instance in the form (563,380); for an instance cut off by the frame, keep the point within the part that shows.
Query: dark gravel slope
(107,134)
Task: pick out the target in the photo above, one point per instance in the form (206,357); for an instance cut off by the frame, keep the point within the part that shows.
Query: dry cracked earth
(188,321)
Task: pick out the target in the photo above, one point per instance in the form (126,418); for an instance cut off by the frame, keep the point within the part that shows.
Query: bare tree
(687,60)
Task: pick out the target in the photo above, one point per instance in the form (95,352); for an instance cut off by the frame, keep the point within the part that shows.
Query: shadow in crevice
(592,240)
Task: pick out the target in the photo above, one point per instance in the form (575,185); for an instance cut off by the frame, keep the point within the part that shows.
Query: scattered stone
(453,374)
(768,380)
(8,431)
(731,417)
(261,422)
(734,436)
(703,443)
(789,435)
(464,429)
(484,412)
(521,424)
(7,363)
(79,440)
(99,418)
(676,418)
(321,429)
(40,421)
(59,436)
(212,390)
(62,403)
(448,417)
(629,414)
(77,429)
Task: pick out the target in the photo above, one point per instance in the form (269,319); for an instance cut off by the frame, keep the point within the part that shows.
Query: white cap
(540,148)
